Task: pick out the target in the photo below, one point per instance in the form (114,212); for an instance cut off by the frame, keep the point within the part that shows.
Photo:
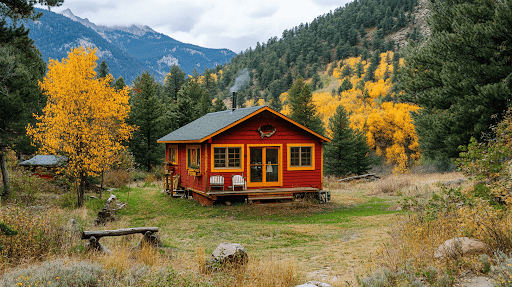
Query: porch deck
(262,191)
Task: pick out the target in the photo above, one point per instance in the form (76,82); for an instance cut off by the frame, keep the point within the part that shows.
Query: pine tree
(173,82)
(460,77)
(103,70)
(302,108)
(21,67)
(347,153)
(146,113)
(120,84)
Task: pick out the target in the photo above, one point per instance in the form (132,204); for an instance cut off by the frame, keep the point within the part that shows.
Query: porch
(255,196)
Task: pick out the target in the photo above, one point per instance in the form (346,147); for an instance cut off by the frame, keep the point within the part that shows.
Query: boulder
(460,246)
(229,253)
(314,284)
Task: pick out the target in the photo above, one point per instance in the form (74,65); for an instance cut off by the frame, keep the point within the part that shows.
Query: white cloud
(232,24)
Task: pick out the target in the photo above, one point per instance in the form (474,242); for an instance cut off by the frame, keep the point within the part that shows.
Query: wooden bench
(94,237)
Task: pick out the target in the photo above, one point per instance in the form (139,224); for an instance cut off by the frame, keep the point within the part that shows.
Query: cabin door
(265,166)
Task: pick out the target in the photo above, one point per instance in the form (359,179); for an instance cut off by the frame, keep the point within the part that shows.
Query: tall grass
(39,235)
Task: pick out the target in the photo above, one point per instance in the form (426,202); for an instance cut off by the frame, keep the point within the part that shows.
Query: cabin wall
(286,133)
(187,179)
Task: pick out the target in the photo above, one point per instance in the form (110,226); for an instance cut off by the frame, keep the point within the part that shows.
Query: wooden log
(370,175)
(101,233)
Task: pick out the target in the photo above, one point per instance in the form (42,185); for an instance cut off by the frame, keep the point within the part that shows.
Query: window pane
(172,155)
(256,155)
(295,156)
(305,156)
(256,173)
(194,158)
(219,157)
(272,172)
(234,157)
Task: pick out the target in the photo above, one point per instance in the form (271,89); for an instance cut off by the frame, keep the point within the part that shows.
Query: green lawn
(339,235)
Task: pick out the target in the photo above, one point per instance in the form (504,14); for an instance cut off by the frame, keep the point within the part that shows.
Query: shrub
(55,273)
(26,187)
(39,235)
(117,178)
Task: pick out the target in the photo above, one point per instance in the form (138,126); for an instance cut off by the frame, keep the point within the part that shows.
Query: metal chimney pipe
(233,101)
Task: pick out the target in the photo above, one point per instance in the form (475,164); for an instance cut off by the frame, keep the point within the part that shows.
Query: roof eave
(265,108)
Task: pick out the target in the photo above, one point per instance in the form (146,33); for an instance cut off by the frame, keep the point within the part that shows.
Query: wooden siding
(286,133)
(246,133)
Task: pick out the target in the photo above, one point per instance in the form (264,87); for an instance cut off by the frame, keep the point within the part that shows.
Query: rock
(95,245)
(460,246)
(314,284)
(150,239)
(232,253)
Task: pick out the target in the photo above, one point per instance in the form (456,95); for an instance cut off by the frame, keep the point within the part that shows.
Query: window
(173,154)
(227,157)
(301,157)
(194,157)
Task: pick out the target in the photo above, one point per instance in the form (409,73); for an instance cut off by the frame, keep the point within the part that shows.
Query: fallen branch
(365,176)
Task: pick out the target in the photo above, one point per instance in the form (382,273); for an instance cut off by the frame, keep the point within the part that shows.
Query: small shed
(44,166)
(254,154)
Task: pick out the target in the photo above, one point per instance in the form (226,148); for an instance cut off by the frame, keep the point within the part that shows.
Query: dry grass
(412,184)
(284,248)
(40,234)
(117,178)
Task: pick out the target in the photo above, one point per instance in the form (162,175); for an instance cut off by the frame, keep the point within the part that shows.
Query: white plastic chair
(238,180)
(217,181)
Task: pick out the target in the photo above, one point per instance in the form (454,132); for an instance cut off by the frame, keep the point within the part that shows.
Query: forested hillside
(346,57)
(358,28)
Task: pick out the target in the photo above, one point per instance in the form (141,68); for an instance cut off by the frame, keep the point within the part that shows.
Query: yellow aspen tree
(84,118)
(391,132)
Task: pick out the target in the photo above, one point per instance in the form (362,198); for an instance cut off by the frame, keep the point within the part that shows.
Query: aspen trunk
(81,189)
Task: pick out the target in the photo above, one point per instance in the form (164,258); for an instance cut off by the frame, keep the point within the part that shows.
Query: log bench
(94,237)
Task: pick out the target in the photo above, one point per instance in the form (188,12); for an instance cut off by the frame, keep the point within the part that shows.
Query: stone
(232,253)
(314,284)
(460,246)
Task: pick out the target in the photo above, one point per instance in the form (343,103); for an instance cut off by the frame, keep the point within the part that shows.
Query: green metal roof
(208,125)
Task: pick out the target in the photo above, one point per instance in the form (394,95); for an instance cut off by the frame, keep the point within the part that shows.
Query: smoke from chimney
(242,78)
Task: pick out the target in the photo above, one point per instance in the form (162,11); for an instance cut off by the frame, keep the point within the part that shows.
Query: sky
(232,24)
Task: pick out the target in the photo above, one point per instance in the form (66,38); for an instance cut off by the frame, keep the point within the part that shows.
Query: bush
(39,235)
(117,178)
(55,273)
(26,187)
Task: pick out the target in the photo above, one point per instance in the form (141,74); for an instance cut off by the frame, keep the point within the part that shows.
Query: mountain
(128,51)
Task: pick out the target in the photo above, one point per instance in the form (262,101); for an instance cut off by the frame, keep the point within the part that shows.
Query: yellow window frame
(169,148)
(289,148)
(227,169)
(191,147)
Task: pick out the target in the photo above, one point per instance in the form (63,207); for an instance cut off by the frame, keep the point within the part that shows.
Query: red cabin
(254,154)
